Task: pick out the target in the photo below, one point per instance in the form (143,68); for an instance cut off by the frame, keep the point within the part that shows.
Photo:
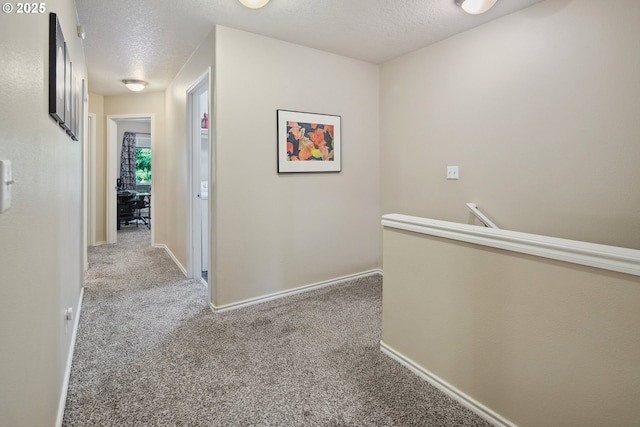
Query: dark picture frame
(68,90)
(308,142)
(73,128)
(79,109)
(57,69)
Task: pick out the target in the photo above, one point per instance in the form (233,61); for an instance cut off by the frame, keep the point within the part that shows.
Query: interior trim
(282,294)
(173,257)
(112,167)
(67,372)
(466,400)
(623,260)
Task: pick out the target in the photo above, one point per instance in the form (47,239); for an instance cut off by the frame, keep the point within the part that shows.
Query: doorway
(90,183)
(198,171)
(134,169)
(114,141)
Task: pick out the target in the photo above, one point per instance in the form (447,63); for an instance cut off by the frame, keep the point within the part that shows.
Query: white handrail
(482,217)
(612,258)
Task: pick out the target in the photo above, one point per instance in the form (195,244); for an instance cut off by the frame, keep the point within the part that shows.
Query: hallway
(151,352)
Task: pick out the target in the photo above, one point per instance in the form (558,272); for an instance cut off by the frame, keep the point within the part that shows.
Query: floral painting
(308,142)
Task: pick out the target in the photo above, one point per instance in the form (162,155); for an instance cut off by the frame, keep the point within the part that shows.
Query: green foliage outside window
(143,165)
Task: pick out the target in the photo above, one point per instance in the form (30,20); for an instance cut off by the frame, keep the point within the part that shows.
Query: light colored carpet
(150,352)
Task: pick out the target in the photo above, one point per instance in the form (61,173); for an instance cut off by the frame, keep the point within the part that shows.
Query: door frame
(111,173)
(90,179)
(194,217)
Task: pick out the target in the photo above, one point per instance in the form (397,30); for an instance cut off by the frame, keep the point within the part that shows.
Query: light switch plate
(6,181)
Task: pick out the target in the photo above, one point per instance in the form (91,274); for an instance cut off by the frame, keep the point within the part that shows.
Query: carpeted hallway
(150,352)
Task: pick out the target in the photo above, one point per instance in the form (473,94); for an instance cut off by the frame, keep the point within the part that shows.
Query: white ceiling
(151,39)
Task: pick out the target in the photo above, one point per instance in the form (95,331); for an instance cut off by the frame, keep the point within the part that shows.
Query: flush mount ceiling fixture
(135,85)
(475,7)
(254,4)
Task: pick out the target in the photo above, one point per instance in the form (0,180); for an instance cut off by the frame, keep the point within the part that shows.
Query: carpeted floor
(150,352)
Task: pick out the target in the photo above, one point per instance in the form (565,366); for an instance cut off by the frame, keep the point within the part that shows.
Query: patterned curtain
(128,161)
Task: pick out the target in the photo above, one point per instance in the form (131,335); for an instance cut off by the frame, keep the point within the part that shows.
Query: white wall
(539,109)
(278,232)
(41,235)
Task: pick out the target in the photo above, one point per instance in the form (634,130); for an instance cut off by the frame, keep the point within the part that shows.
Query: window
(143,165)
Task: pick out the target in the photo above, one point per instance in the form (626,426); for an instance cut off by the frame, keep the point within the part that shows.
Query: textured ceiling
(151,39)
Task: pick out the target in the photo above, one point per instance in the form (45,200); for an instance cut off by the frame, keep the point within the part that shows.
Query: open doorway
(138,130)
(134,178)
(198,171)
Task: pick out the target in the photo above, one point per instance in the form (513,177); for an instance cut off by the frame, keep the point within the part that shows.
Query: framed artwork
(308,142)
(57,64)
(68,89)
(79,108)
(73,131)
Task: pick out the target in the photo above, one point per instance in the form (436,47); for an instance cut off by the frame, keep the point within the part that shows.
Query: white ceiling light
(135,85)
(254,4)
(475,7)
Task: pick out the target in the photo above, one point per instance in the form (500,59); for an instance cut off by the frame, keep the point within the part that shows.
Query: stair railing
(481,217)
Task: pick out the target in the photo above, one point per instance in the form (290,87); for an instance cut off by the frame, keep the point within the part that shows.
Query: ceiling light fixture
(254,4)
(135,85)
(475,7)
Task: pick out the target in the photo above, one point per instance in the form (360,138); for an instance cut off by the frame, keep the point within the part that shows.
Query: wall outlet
(452,172)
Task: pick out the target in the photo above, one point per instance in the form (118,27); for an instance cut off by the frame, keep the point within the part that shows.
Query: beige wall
(41,235)
(278,232)
(135,103)
(96,106)
(540,111)
(539,342)
(176,150)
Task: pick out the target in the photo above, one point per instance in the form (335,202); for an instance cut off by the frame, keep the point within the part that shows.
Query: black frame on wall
(65,99)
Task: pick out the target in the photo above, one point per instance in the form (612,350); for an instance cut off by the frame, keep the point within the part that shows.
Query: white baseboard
(447,388)
(173,257)
(67,372)
(282,294)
